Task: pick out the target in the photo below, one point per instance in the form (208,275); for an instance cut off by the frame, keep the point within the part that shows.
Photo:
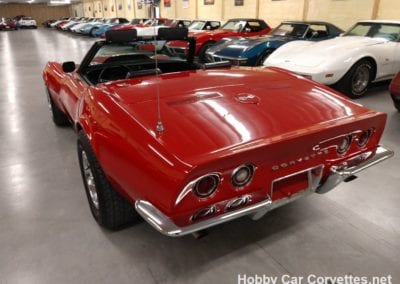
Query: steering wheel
(113,73)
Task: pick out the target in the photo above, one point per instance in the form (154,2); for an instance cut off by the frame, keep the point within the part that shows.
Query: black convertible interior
(123,55)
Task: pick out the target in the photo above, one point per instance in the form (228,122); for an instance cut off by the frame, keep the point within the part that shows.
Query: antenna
(160,126)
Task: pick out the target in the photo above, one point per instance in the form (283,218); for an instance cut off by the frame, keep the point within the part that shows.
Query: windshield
(197,25)
(136,21)
(390,32)
(119,61)
(234,25)
(133,51)
(286,29)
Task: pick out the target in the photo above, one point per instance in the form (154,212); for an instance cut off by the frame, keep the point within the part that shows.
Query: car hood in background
(237,46)
(312,54)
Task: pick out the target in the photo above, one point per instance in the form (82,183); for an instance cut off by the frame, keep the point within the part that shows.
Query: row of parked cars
(18,22)
(348,61)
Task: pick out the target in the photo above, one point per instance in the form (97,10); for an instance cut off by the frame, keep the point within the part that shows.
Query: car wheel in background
(59,118)
(263,56)
(108,207)
(356,81)
(203,49)
(92,32)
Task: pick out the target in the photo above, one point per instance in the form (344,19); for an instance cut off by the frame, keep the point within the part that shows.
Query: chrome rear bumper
(353,166)
(339,173)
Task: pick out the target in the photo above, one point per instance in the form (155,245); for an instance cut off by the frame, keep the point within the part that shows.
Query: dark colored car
(253,51)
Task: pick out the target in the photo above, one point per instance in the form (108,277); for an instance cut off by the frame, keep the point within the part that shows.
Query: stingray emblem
(247,98)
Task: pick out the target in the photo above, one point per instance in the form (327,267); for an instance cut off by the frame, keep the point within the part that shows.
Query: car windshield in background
(390,32)
(132,52)
(296,30)
(234,25)
(197,25)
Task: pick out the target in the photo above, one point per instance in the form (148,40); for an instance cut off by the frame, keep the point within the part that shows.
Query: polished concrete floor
(47,234)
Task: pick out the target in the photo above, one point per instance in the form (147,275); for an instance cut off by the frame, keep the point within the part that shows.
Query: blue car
(109,23)
(253,51)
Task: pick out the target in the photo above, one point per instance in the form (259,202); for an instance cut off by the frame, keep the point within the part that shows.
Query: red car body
(394,89)
(148,23)
(287,131)
(206,38)
(8,24)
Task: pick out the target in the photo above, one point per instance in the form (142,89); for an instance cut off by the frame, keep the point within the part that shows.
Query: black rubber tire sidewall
(345,84)
(114,211)
(58,116)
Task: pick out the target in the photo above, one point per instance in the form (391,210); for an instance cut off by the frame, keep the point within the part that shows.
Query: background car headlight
(242,175)
(364,138)
(207,185)
(344,144)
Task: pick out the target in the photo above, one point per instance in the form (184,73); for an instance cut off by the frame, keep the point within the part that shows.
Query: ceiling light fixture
(60,2)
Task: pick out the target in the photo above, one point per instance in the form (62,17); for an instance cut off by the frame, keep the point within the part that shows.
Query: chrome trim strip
(338,173)
(165,226)
(353,166)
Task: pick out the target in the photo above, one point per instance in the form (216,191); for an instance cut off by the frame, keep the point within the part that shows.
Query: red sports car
(8,24)
(147,23)
(204,39)
(394,89)
(189,146)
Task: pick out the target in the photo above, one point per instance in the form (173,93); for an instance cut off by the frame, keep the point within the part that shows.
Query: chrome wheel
(89,180)
(360,79)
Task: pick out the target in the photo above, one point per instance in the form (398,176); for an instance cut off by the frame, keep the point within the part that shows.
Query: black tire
(203,49)
(264,56)
(108,207)
(58,116)
(355,82)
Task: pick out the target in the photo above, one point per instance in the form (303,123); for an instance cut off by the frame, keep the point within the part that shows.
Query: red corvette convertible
(394,89)
(234,27)
(189,146)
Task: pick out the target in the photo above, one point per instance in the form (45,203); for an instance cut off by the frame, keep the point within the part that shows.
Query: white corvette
(368,52)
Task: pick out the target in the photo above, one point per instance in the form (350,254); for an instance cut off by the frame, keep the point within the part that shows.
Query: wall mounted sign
(185,4)
(209,2)
(239,2)
(139,4)
(167,3)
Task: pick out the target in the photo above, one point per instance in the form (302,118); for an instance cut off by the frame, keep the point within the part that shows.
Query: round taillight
(344,145)
(242,175)
(206,185)
(364,138)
